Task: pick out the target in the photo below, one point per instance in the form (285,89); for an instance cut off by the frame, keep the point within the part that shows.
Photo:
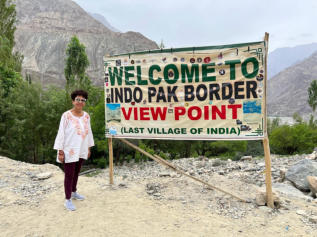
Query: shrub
(296,139)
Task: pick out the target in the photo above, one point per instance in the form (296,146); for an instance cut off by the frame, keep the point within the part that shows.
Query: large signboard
(200,93)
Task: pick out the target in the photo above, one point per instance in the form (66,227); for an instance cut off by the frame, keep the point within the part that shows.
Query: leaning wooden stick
(164,162)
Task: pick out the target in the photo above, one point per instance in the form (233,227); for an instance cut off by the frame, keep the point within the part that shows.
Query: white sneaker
(69,205)
(77,196)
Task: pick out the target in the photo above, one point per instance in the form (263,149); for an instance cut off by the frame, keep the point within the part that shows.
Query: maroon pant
(71,177)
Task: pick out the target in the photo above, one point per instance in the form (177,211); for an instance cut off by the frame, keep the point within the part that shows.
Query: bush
(296,139)
(254,148)
(226,148)
(101,163)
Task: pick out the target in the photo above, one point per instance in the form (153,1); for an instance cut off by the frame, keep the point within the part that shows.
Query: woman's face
(79,102)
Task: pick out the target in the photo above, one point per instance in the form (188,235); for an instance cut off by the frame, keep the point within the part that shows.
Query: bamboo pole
(164,162)
(110,160)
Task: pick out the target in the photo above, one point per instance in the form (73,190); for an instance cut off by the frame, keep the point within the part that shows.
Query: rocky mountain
(283,58)
(45,28)
(103,20)
(287,91)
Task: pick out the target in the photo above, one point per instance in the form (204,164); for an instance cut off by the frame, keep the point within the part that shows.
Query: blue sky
(208,22)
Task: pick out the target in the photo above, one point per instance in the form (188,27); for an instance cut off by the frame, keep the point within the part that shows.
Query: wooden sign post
(268,179)
(266,146)
(110,160)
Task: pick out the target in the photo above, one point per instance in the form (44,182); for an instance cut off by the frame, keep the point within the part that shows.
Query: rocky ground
(149,199)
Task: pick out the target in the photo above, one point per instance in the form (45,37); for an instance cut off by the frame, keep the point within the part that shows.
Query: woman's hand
(61,156)
(89,153)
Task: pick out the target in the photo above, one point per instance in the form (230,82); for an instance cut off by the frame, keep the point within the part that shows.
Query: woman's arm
(90,136)
(59,140)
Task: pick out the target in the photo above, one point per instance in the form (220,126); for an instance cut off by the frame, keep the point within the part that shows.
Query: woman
(73,142)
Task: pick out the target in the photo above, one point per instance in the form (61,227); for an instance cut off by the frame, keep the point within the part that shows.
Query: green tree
(8,59)
(297,118)
(272,124)
(7,20)
(312,95)
(76,65)
(32,118)
(10,66)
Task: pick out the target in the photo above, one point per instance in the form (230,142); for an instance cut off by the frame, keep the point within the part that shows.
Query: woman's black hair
(79,93)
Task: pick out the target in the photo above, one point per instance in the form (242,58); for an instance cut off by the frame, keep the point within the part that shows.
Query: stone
(297,173)
(313,219)
(218,162)
(43,176)
(301,212)
(201,164)
(153,188)
(246,158)
(122,185)
(261,198)
(282,175)
(266,209)
(221,172)
(312,156)
(261,164)
(174,175)
(289,190)
(250,169)
(311,194)
(312,181)
(164,174)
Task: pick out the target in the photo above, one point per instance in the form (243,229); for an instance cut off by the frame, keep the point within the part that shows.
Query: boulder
(312,181)
(297,173)
(289,190)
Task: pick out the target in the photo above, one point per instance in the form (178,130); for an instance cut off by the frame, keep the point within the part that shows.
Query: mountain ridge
(287,91)
(45,28)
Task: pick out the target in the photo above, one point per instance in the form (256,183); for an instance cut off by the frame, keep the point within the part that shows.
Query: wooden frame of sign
(268,179)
